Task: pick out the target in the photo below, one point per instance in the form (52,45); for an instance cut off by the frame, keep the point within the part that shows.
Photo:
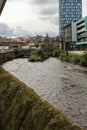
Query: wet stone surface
(62,84)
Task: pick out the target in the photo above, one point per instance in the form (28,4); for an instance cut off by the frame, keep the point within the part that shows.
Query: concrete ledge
(77,52)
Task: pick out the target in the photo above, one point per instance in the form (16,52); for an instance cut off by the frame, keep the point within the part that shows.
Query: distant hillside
(22,109)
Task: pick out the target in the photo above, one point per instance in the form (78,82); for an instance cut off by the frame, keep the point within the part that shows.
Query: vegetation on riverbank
(42,54)
(73,58)
(47,50)
(51,50)
(16,53)
(22,109)
(38,55)
(4,57)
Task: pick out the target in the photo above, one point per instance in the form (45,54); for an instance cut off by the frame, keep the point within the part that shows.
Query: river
(62,84)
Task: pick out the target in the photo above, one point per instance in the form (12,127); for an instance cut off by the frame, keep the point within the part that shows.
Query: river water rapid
(62,84)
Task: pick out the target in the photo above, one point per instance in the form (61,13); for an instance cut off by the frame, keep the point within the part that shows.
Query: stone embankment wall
(10,55)
(22,109)
(6,56)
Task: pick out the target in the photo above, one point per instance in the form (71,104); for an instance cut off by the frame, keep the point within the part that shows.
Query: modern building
(69,10)
(81,33)
(70,36)
(2,3)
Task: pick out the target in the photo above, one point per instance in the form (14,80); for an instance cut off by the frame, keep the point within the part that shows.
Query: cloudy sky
(31,17)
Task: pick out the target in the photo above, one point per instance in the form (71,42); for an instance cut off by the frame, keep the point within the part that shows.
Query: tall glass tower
(69,10)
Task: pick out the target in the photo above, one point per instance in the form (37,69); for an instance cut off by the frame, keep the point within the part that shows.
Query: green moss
(59,122)
(40,115)
(22,109)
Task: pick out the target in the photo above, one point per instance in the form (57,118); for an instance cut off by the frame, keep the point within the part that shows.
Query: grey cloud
(41,2)
(37,2)
(42,7)
(48,11)
(18,31)
(7,31)
(53,20)
(49,14)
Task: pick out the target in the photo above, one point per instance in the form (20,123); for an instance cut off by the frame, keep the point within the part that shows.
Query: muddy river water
(62,84)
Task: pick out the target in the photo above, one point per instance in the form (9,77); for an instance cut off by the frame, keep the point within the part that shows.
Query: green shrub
(56,53)
(34,58)
(75,59)
(83,62)
(62,56)
(37,55)
(66,58)
(85,56)
(40,52)
(70,58)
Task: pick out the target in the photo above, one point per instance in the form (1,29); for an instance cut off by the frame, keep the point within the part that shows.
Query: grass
(22,109)
(75,59)
(83,60)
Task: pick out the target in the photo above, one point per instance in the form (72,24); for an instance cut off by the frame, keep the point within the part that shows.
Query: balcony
(82,36)
(81,25)
(81,30)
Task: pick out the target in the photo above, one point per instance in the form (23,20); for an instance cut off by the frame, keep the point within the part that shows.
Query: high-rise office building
(69,10)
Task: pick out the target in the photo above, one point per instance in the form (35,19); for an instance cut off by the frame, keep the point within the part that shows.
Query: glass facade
(69,10)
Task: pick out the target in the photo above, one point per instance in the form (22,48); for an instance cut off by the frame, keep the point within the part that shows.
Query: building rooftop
(2,3)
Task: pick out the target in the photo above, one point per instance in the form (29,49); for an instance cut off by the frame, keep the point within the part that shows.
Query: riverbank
(75,58)
(44,53)
(8,55)
(22,109)
(62,84)
(73,110)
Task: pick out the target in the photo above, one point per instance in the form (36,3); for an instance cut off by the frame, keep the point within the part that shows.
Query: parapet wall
(22,109)
(77,52)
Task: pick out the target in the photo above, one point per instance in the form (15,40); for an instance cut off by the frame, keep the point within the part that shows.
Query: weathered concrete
(77,52)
